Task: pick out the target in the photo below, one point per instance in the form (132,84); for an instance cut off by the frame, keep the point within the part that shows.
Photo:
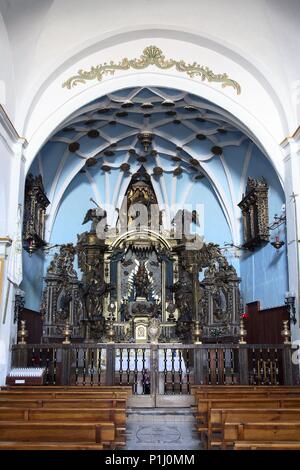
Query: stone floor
(161,429)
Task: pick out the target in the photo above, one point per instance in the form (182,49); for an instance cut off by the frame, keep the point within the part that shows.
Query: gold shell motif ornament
(151,55)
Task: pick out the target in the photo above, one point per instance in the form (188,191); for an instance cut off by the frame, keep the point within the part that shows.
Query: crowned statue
(141,283)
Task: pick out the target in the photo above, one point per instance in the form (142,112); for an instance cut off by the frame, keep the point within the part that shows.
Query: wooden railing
(164,368)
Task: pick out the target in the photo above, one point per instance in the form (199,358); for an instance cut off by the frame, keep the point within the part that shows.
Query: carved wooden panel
(254,206)
(36,203)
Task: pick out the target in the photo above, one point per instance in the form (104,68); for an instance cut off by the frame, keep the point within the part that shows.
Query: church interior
(149,227)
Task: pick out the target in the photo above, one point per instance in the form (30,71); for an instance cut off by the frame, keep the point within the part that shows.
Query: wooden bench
(243,391)
(92,411)
(124,388)
(82,433)
(261,432)
(89,415)
(125,391)
(245,394)
(246,445)
(219,417)
(45,394)
(62,403)
(238,388)
(7,445)
(204,406)
(219,405)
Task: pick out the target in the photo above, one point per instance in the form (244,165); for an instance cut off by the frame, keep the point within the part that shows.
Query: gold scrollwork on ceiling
(151,55)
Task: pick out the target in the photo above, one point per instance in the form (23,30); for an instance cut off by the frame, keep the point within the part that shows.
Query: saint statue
(141,282)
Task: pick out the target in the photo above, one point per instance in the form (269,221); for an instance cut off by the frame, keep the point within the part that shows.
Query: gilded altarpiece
(137,273)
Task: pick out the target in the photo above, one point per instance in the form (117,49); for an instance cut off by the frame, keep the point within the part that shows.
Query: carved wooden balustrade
(170,368)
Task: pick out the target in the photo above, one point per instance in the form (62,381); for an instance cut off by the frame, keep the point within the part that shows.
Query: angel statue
(96,216)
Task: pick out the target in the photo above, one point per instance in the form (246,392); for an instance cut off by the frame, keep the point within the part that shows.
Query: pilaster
(291,149)
(5,300)
(12,179)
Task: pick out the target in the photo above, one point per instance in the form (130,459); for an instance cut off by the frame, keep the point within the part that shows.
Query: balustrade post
(154,369)
(243,365)
(287,365)
(110,364)
(199,358)
(66,365)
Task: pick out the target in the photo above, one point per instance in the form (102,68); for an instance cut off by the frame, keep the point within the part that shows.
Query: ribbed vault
(188,136)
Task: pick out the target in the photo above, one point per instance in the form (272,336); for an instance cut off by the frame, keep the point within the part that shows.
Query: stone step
(161,411)
(153,415)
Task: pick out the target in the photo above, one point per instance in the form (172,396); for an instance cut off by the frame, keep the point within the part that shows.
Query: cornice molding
(5,241)
(10,130)
(295,135)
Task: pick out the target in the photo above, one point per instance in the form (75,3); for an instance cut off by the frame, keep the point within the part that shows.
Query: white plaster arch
(103,41)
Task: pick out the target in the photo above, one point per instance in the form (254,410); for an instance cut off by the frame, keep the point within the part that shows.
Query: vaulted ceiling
(178,137)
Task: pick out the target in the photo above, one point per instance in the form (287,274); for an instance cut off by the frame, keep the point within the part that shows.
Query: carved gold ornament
(151,55)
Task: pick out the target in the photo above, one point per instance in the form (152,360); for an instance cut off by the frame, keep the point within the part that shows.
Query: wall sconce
(290,303)
(277,222)
(19,303)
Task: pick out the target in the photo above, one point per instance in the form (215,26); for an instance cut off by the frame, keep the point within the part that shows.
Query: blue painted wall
(264,272)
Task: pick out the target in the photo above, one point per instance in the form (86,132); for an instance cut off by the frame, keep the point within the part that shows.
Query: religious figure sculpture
(95,216)
(141,283)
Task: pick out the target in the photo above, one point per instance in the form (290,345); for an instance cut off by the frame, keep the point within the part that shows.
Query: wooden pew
(204,406)
(62,403)
(7,445)
(109,410)
(261,432)
(96,416)
(88,387)
(263,391)
(89,415)
(60,406)
(81,433)
(218,418)
(125,390)
(45,394)
(246,445)
(238,388)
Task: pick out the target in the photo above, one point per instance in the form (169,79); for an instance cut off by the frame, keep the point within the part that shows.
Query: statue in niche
(141,282)
(64,304)
(219,304)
